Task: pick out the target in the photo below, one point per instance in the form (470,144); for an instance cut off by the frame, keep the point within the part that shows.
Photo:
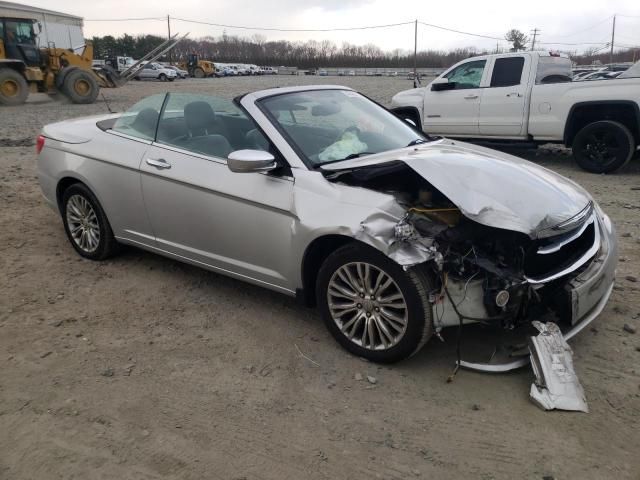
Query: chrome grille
(559,256)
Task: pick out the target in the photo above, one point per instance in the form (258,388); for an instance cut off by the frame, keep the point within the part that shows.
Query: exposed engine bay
(538,282)
(482,274)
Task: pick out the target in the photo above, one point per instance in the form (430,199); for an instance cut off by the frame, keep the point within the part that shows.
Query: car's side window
(208,125)
(467,75)
(507,72)
(141,120)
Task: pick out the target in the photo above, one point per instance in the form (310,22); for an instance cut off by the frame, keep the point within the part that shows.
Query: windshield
(332,125)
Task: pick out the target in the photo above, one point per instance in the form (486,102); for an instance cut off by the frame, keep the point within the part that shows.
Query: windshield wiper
(417,141)
(354,155)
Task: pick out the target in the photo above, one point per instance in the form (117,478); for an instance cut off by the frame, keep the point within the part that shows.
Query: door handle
(160,163)
(471,97)
(514,94)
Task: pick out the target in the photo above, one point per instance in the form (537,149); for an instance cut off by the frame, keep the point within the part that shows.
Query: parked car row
(240,69)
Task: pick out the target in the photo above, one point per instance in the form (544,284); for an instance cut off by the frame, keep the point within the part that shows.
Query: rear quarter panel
(551,104)
(109,166)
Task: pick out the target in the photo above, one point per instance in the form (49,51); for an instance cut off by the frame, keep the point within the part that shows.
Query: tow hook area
(556,385)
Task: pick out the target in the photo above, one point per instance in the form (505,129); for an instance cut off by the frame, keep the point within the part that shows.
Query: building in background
(61,29)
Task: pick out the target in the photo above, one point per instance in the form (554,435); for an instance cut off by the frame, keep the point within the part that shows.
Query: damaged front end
(504,270)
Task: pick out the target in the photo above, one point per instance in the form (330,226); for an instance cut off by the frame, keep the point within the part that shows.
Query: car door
(455,110)
(148,71)
(239,223)
(503,102)
(115,155)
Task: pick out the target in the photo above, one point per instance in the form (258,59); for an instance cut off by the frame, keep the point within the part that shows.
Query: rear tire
(397,318)
(80,87)
(604,146)
(198,72)
(86,224)
(14,89)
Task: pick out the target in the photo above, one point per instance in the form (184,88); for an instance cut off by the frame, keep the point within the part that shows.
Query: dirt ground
(144,368)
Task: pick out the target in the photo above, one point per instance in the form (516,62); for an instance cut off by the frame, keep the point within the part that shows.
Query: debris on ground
(629,328)
(372,380)
(358,376)
(556,385)
(107,372)
(631,278)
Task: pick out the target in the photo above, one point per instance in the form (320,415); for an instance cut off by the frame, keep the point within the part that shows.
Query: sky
(568,21)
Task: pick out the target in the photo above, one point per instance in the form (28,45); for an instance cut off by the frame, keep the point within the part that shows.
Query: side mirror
(440,84)
(250,161)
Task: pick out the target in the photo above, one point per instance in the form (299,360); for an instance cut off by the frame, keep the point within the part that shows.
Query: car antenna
(106,103)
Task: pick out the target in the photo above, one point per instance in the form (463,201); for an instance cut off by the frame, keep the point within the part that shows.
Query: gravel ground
(141,367)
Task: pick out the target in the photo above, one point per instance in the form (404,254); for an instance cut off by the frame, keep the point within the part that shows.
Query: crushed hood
(489,187)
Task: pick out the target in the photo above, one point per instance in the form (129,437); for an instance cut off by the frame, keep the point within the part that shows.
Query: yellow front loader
(25,68)
(198,68)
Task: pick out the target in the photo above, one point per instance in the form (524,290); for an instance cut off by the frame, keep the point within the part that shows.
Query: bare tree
(517,38)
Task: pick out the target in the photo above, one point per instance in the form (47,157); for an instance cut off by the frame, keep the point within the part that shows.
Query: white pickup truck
(528,97)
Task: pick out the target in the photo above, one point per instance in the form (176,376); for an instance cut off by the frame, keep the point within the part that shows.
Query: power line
(588,28)
(575,44)
(243,27)
(122,19)
(341,29)
(460,31)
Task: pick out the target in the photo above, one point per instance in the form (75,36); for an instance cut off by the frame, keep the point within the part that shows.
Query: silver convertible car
(320,193)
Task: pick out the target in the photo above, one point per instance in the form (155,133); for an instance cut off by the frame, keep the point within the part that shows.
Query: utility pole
(535,33)
(613,37)
(415,56)
(169,35)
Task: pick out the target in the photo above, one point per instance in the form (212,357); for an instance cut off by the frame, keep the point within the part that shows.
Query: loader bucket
(108,77)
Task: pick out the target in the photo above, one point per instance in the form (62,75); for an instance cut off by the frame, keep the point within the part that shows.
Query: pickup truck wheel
(604,146)
(371,306)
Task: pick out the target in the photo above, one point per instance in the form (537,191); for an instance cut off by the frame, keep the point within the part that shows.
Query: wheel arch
(314,256)
(66,181)
(626,112)
(17,65)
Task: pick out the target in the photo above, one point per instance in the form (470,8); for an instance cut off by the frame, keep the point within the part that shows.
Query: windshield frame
(297,149)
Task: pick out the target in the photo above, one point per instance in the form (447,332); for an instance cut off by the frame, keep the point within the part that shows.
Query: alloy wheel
(367,306)
(83,223)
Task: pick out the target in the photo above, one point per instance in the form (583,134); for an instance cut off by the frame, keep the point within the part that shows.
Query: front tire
(371,306)
(86,224)
(604,146)
(162,77)
(80,87)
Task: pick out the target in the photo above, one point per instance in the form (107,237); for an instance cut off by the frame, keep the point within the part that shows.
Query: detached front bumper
(588,292)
